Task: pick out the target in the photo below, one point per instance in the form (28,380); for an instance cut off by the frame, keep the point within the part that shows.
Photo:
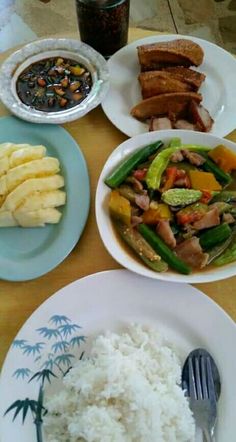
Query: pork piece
(160,82)
(210,219)
(200,116)
(184,124)
(189,76)
(178,52)
(193,157)
(191,253)
(182,179)
(160,123)
(176,157)
(163,229)
(173,104)
(142,201)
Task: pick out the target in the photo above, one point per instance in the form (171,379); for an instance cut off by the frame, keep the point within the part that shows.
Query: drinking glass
(103,24)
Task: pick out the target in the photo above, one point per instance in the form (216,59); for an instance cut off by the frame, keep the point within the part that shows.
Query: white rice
(126,391)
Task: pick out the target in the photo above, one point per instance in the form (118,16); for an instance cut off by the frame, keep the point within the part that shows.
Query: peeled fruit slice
(26,154)
(33,169)
(43,200)
(37,218)
(4,165)
(7,219)
(18,195)
(6,149)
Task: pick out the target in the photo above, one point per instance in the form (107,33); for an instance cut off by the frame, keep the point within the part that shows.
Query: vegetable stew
(54,84)
(175,206)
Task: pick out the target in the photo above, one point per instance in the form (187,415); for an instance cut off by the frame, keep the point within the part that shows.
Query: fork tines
(201,382)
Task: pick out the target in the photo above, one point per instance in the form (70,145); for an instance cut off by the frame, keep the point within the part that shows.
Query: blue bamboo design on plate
(60,339)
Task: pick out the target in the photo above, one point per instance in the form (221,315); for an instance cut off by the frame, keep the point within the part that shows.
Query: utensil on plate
(201,380)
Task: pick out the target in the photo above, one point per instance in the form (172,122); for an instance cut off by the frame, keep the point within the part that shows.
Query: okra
(215,236)
(140,246)
(125,168)
(163,250)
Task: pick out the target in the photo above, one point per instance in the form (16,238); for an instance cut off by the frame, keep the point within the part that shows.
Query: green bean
(215,236)
(161,161)
(220,175)
(163,250)
(124,169)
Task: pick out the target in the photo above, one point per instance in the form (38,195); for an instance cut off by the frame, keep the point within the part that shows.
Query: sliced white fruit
(37,218)
(6,149)
(43,200)
(18,195)
(33,169)
(4,165)
(26,154)
(7,219)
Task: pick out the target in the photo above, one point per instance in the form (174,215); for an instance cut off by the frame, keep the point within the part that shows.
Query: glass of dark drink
(103,24)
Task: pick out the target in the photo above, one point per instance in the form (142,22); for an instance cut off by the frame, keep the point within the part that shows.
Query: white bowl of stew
(53,81)
(125,256)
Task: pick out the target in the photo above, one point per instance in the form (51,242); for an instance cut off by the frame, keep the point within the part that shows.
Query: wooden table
(97,137)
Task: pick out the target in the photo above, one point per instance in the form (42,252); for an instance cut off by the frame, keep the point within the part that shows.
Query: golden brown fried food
(189,76)
(160,82)
(173,105)
(178,52)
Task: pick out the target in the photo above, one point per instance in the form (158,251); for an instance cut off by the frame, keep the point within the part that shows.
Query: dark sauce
(54,84)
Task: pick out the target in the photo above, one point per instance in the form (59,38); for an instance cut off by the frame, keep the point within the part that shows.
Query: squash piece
(157,213)
(203,181)
(120,207)
(224,158)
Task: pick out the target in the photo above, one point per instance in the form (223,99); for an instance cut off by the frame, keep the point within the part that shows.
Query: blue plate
(27,253)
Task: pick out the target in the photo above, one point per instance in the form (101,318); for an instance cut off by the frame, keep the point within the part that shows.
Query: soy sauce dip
(54,84)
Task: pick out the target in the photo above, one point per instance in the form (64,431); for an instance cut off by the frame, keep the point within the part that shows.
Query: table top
(97,138)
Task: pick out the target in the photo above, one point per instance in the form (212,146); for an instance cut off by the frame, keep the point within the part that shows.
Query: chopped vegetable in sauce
(180,202)
(54,84)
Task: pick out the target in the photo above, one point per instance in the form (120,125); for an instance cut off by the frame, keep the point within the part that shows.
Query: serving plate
(106,230)
(111,300)
(27,253)
(218,90)
(17,62)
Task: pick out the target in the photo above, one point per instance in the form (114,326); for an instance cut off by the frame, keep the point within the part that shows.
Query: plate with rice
(101,360)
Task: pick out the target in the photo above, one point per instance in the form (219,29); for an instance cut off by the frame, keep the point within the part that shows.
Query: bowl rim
(24,56)
(104,224)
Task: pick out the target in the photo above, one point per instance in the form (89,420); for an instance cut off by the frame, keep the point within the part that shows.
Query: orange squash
(203,181)
(120,207)
(224,158)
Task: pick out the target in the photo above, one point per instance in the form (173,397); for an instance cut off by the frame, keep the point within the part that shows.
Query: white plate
(110,300)
(218,90)
(106,230)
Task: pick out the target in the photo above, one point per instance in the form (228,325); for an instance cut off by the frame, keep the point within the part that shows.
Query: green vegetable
(181,197)
(163,250)
(160,163)
(176,142)
(220,175)
(214,236)
(229,255)
(124,169)
(227,196)
(136,241)
(216,251)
